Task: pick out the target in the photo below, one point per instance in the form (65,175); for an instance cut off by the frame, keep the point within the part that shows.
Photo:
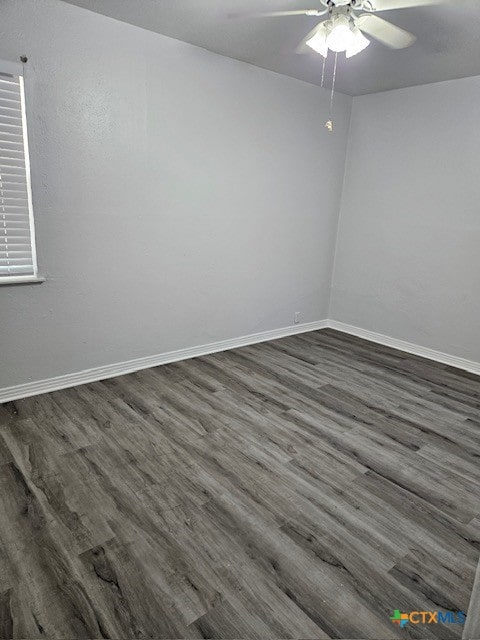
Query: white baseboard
(401,345)
(17,392)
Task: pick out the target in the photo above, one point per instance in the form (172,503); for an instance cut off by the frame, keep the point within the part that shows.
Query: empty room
(239,319)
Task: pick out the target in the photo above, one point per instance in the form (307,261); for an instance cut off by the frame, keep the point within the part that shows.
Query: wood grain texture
(301,488)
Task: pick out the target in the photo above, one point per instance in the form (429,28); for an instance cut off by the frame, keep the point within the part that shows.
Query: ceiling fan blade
(385,32)
(388,5)
(303,47)
(277,14)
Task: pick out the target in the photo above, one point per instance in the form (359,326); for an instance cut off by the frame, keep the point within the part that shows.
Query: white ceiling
(448,44)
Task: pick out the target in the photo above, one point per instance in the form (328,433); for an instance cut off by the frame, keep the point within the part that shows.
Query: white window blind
(17,237)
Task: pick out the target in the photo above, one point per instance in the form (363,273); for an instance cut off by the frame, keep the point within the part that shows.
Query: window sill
(21,280)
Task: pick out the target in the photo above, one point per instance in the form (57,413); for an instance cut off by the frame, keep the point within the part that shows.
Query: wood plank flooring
(300,488)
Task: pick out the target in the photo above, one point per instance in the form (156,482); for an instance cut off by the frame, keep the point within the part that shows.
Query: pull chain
(323,71)
(329,123)
(333,83)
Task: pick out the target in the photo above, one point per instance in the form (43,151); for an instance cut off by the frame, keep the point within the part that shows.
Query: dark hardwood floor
(301,488)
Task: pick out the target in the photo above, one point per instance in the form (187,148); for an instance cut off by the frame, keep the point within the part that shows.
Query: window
(18,262)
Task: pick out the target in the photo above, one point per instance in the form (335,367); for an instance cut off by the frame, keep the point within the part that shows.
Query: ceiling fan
(348,20)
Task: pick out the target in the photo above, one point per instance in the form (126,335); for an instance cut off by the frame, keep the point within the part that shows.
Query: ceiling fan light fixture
(341,36)
(319,42)
(359,43)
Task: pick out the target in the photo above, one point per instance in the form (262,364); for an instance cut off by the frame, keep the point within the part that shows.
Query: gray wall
(180,197)
(408,255)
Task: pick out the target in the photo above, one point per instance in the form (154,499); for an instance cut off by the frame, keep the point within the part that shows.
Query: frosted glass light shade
(359,43)
(319,42)
(341,36)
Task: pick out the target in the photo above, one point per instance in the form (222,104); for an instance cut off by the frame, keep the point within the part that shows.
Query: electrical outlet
(296,317)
